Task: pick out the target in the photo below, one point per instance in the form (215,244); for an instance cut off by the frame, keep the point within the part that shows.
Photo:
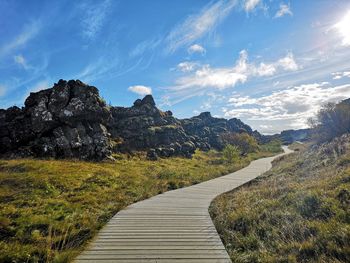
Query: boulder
(65,121)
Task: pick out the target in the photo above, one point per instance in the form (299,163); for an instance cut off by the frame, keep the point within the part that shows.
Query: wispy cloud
(196,49)
(142,47)
(97,69)
(106,67)
(140,90)
(198,25)
(289,108)
(93,17)
(29,32)
(284,10)
(250,5)
(145,52)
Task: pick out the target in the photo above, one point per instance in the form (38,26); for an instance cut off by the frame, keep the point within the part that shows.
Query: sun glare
(343,27)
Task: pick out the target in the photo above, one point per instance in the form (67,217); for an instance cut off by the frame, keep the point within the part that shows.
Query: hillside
(71,120)
(297,212)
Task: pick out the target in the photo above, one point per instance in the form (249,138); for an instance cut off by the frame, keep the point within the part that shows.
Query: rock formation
(70,120)
(66,121)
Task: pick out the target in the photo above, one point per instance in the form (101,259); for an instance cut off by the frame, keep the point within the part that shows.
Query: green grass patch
(274,146)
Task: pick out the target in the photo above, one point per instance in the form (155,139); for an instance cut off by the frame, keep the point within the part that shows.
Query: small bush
(245,142)
(331,121)
(231,153)
(312,207)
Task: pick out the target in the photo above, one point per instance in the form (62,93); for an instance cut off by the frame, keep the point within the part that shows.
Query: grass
(51,208)
(297,212)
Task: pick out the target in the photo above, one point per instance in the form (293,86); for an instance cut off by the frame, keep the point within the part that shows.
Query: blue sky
(270,63)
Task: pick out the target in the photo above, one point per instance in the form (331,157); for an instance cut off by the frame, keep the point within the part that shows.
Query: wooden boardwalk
(172,227)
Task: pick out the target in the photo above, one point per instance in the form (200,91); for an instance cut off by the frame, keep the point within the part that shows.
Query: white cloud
(196,49)
(94,16)
(340,75)
(266,69)
(250,5)
(28,33)
(198,25)
(3,90)
(20,60)
(187,66)
(221,78)
(284,10)
(288,62)
(288,108)
(141,90)
(206,76)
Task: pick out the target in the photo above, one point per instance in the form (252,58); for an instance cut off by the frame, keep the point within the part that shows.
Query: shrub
(245,142)
(331,121)
(231,153)
(313,207)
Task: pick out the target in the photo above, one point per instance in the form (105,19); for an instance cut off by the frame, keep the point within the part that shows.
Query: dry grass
(51,208)
(297,212)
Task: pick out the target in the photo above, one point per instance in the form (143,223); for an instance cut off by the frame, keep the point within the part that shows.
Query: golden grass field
(51,208)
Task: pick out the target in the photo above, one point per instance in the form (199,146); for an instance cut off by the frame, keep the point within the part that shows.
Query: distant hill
(71,120)
(290,136)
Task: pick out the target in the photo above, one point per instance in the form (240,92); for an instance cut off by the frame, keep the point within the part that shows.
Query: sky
(270,63)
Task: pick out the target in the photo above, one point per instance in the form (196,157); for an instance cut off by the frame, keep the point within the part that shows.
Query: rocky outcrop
(143,127)
(70,120)
(66,121)
(206,129)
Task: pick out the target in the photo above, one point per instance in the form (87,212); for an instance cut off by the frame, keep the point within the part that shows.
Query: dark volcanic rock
(70,120)
(66,121)
(207,129)
(144,126)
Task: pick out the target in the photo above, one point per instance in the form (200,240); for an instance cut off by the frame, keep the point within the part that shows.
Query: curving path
(172,227)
